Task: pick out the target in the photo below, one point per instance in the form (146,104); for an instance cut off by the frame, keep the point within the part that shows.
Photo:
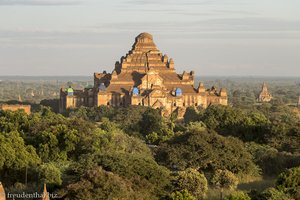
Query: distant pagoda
(265,95)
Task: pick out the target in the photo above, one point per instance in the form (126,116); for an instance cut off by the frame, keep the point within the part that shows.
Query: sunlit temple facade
(144,76)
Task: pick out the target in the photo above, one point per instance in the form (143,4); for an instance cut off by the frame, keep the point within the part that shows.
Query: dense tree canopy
(135,153)
(206,150)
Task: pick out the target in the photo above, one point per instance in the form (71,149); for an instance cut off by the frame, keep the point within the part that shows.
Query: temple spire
(264,87)
(265,95)
(45,193)
(20,98)
(2,192)
(201,88)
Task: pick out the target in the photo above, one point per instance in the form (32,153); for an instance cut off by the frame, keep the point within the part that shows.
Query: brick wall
(26,108)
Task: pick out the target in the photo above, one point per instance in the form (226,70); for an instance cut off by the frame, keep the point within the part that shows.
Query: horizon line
(209,75)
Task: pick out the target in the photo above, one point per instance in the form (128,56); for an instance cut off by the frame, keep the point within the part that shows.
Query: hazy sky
(212,37)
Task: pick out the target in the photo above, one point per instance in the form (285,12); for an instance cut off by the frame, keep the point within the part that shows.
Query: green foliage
(94,114)
(100,184)
(13,121)
(182,195)
(107,125)
(129,165)
(14,153)
(50,174)
(90,155)
(273,194)
(129,118)
(247,125)
(191,115)
(270,160)
(192,181)
(154,125)
(152,138)
(238,196)
(117,141)
(128,158)
(289,181)
(196,126)
(224,179)
(206,150)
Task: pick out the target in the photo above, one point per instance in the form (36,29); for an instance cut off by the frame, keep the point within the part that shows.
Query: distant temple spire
(2,192)
(20,98)
(45,193)
(265,95)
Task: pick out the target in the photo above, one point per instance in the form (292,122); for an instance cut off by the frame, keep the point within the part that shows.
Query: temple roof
(264,89)
(145,35)
(144,43)
(143,55)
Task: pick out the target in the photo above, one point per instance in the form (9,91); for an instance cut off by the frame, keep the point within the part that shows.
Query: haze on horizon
(211,37)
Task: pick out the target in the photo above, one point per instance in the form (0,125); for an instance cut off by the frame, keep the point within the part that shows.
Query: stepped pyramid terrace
(144,76)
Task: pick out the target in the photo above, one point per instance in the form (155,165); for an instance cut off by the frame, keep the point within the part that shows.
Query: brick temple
(144,76)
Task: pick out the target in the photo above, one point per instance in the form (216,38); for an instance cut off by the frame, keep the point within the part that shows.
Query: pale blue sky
(212,37)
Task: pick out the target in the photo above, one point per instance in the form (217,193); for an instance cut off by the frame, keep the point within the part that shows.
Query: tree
(193,181)
(127,157)
(224,179)
(100,184)
(289,181)
(191,115)
(182,195)
(238,196)
(50,174)
(247,125)
(273,194)
(14,153)
(129,118)
(152,122)
(270,160)
(206,150)
(16,158)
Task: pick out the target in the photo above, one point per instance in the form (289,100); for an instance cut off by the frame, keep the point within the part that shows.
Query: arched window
(102,87)
(178,92)
(135,91)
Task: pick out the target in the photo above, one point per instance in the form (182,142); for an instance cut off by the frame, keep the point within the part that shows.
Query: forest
(245,151)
